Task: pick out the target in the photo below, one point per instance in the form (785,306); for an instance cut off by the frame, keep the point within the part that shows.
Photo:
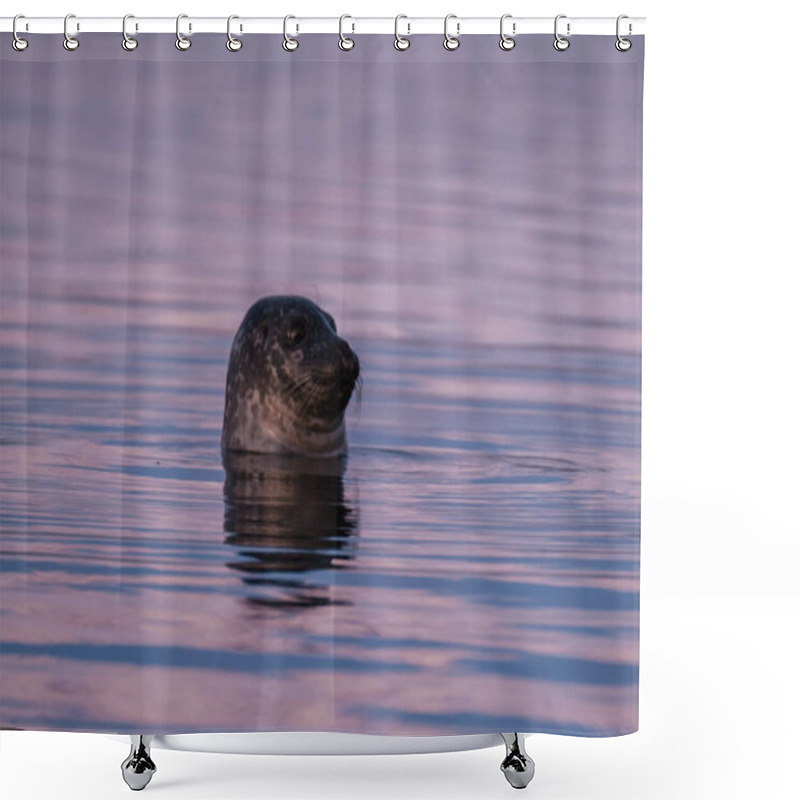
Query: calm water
(473,564)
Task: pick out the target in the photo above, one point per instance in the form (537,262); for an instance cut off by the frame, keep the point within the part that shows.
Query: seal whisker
(306,391)
(359,382)
(306,386)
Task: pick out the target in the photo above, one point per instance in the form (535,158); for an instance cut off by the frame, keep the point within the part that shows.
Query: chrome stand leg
(138,768)
(517,766)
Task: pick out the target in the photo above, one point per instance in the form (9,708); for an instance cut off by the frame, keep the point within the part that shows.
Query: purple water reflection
(473,226)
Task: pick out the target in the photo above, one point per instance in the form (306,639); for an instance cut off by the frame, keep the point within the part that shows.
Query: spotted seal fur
(290,378)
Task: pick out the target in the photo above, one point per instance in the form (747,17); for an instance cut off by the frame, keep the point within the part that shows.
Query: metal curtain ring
(345,43)
(451,42)
(290,44)
(400,42)
(18,43)
(507,42)
(233,44)
(623,45)
(181,42)
(70,42)
(128,42)
(560,43)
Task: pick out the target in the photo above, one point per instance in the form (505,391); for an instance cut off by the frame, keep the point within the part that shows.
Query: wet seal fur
(290,378)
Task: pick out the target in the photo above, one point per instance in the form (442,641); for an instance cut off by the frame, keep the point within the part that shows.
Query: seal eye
(296,332)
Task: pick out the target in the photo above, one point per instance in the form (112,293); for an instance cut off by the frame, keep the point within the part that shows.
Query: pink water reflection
(476,566)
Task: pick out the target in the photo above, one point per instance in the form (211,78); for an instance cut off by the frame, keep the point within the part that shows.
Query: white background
(720,624)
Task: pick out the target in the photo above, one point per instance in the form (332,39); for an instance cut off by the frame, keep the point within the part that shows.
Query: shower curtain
(321,385)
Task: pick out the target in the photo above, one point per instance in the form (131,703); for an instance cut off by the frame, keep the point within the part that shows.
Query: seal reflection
(287,516)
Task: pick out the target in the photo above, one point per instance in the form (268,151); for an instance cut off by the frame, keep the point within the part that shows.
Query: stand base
(517,766)
(139,767)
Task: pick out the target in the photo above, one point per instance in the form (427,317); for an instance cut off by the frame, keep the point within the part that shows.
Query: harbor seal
(290,378)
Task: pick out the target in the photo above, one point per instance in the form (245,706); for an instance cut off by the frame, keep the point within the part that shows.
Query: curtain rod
(352,25)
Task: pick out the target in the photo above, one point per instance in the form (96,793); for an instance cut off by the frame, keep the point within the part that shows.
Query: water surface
(473,564)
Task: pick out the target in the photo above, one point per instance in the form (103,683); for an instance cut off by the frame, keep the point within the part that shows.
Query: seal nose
(350,365)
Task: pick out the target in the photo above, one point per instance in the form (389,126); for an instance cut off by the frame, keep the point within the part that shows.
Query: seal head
(290,378)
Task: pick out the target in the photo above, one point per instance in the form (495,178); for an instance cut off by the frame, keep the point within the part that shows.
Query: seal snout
(350,370)
(340,373)
(350,365)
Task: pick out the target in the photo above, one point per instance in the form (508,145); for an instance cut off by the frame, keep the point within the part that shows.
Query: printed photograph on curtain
(320,386)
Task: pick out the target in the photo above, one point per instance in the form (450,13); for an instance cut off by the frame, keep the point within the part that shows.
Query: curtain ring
(345,43)
(70,42)
(18,43)
(400,42)
(560,43)
(233,44)
(623,45)
(128,42)
(451,42)
(290,44)
(181,42)
(507,42)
